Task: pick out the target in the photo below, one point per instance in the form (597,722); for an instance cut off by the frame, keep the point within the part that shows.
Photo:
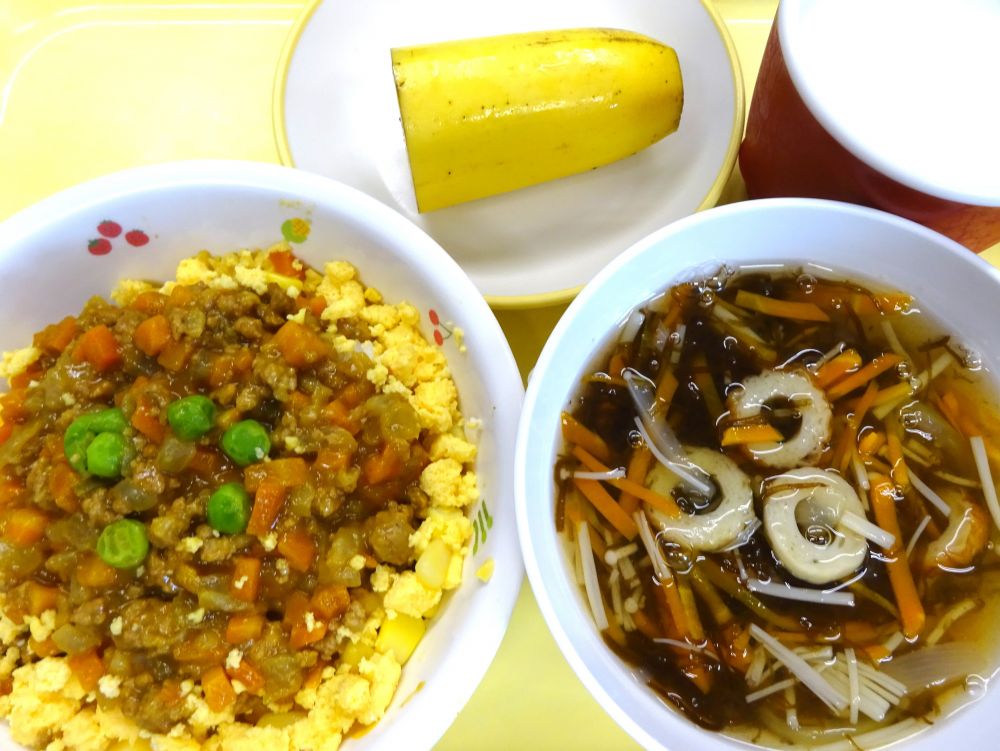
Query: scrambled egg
(48,708)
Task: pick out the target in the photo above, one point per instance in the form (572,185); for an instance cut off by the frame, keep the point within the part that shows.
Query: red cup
(790,148)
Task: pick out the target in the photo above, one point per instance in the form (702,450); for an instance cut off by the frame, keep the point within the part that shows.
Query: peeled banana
(491,115)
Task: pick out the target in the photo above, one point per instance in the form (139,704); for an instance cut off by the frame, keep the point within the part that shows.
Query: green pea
(106,455)
(229,508)
(246,442)
(123,544)
(85,428)
(191,417)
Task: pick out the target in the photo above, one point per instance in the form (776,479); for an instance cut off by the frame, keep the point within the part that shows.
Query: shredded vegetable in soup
(779,500)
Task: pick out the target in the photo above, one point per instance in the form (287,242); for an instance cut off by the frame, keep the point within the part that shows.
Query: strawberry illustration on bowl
(99,246)
(136,237)
(108,228)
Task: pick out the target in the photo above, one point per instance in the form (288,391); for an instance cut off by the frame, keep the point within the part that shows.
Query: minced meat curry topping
(227,506)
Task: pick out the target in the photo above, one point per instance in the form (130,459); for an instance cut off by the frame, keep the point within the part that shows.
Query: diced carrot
(573,431)
(23,379)
(12,407)
(47,648)
(94,573)
(317,305)
(268,500)
(24,526)
(149,302)
(146,420)
(62,483)
(58,336)
(352,395)
(289,472)
(221,370)
(41,598)
(833,370)
(339,413)
(243,361)
(300,345)
(181,295)
(175,355)
(872,370)
(607,506)
(315,675)
(298,400)
(247,674)
(382,467)
(246,578)
(205,461)
(243,627)
(152,335)
(911,610)
(306,632)
(738,435)
(286,264)
(170,694)
(99,347)
(330,601)
(800,311)
(298,548)
(332,460)
(219,693)
(87,667)
(11,492)
(296,607)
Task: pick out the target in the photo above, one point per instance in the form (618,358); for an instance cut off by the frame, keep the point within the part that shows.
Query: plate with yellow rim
(335,113)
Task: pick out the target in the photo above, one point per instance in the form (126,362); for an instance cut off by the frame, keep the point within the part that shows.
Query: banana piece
(491,115)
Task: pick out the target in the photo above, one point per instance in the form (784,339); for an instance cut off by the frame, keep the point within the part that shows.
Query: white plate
(336,114)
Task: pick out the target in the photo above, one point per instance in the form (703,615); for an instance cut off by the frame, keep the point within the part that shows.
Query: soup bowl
(823,238)
(139,224)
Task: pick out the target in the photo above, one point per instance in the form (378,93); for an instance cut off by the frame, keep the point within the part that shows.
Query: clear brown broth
(713,352)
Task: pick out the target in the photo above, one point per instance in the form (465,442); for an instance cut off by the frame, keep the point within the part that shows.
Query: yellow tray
(87,88)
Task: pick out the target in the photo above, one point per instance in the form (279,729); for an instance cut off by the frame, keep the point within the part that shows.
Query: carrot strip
(899,473)
(573,431)
(832,371)
(859,378)
(675,607)
(638,468)
(663,503)
(864,404)
(645,625)
(738,435)
(706,387)
(892,393)
(800,311)
(911,610)
(871,442)
(666,389)
(608,507)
